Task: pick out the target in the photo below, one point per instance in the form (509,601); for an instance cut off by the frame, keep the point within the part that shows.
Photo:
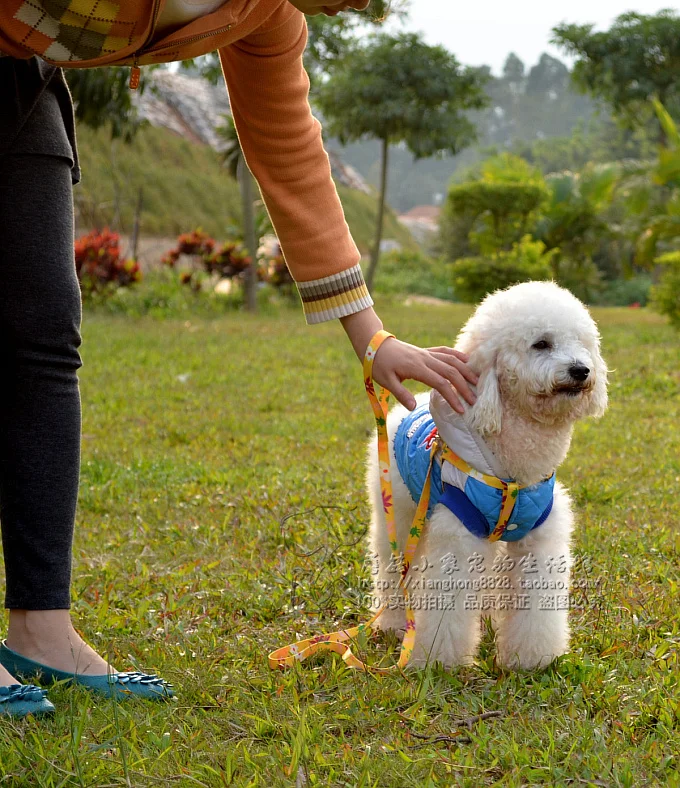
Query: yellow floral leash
(337,641)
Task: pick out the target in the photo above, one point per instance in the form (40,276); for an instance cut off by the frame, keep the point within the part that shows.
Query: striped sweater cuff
(334,296)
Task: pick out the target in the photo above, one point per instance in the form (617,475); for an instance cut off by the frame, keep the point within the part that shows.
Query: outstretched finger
(401,393)
(450,352)
(441,384)
(455,362)
(454,378)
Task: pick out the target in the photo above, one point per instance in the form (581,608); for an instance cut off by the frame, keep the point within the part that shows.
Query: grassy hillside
(360,210)
(184,187)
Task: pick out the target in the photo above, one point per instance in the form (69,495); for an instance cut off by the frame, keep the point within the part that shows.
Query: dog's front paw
(525,661)
(441,653)
(515,653)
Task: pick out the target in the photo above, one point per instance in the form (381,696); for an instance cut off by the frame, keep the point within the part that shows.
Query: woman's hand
(441,368)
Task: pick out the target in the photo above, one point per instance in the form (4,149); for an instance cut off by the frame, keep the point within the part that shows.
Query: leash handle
(378,400)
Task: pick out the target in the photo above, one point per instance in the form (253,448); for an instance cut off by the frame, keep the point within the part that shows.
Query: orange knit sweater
(260,43)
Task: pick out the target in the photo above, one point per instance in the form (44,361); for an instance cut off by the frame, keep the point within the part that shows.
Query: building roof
(427,212)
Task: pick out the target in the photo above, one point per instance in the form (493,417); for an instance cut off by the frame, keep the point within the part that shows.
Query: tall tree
(548,79)
(513,73)
(398,89)
(235,162)
(330,36)
(636,59)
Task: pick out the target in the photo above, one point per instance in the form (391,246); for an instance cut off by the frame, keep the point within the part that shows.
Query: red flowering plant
(193,244)
(228,261)
(99,264)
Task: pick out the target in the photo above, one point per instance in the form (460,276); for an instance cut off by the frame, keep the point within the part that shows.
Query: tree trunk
(663,140)
(134,241)
(375,254)
(245,180)
(115,219)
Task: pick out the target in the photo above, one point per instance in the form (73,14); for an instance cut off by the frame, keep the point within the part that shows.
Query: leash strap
(510,489)
(337,641)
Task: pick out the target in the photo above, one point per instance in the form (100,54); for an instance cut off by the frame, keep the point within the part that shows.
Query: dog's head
(537,350)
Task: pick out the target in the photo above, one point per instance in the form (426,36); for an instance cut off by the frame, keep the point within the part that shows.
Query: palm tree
(651,190)
(665,225)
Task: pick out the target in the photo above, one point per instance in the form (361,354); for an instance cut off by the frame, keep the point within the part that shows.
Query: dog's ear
(487,412)
(598,396)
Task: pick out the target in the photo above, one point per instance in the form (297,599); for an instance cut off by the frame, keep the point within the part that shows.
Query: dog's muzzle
(579,381)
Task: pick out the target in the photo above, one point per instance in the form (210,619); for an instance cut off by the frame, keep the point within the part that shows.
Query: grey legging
(39,397)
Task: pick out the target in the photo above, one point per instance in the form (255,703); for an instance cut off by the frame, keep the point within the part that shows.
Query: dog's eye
(542,344)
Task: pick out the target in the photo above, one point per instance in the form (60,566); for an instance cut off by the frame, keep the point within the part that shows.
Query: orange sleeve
(268,91)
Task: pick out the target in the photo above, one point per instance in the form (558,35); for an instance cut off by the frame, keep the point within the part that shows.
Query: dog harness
(488,506)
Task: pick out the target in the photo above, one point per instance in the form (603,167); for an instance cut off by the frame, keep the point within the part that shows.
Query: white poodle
(536,350)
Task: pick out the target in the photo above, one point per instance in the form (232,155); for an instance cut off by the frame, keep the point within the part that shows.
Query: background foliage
(636,60)
(475,277)
(399,90)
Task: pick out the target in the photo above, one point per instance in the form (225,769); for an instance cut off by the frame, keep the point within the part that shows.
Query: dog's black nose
(579,372)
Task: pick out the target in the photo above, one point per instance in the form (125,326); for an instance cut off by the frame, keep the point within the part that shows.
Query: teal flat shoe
(20,700)
(111,685)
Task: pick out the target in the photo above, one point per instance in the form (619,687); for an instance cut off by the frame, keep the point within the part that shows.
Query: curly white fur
(531,346)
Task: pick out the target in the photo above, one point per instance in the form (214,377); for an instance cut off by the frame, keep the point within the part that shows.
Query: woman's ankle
(48,637)
(35,628)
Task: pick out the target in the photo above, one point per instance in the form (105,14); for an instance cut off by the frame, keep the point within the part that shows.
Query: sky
(481,32)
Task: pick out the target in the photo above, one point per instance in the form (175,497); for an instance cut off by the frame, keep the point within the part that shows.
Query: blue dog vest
(476,505)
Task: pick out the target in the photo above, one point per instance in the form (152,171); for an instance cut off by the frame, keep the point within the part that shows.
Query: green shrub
(413,273)
(494,209)
(500,210)
(579,275)
(474,277)
(162,295)
(626,292)
(665,297)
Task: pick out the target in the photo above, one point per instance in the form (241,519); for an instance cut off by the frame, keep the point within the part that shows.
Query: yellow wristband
(376,340)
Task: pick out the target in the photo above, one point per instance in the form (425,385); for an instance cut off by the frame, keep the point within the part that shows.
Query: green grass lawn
(222,515)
